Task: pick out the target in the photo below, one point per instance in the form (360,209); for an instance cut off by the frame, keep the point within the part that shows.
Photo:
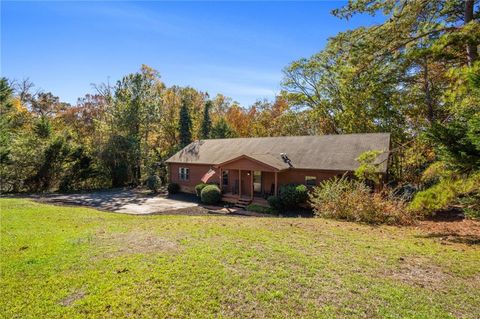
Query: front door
(246,183)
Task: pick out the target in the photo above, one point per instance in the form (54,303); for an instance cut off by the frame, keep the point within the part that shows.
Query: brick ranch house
(251,169)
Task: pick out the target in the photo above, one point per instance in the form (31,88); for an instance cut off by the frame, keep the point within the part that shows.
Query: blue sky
(234,48)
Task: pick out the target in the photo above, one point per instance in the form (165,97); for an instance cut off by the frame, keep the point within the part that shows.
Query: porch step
(242,203)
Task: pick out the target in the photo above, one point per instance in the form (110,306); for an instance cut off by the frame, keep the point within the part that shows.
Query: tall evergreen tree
(207,122)
(5,130)
(185,125)
(222,129)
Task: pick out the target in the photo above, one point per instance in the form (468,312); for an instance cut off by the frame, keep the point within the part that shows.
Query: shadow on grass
(454,238)
(184,197)
(305,213)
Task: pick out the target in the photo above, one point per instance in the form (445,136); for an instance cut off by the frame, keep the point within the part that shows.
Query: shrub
(350,200)
(153,182)
(291,196)
(173,188)
(368,168)
(260,209)
(405,192)
(471,205)
(435,198)
(447,193)
(211,194)
(199,187)
(274,202)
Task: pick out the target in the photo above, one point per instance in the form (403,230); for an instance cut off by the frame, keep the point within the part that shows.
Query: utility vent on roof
(286,159)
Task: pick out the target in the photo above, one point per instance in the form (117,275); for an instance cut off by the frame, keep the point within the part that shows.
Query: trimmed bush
(350,200)
(260,209)
(292,196)
(211,194)
(153,182)
(173,188)
(199,187)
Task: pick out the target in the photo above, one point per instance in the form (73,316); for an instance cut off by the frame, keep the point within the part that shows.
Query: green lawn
(78,262)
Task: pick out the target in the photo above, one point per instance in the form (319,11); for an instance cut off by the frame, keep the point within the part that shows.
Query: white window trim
(311,177)
(183,173)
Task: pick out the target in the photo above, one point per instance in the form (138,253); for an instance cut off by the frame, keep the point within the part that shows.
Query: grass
(64,262)
(261,209)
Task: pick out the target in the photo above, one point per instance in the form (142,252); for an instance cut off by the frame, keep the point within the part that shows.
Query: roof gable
(326,152)
(258,161)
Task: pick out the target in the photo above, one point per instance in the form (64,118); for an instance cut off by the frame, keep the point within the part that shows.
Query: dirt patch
(458,231)
(136,242)
(193,211)
(68,300)
(416,272)
(212,210)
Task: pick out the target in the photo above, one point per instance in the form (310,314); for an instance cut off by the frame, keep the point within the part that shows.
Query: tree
(457,141)
(83,118)
(471,46)
(239,119)
(79,169)
(20,151)
(207,122)
(118,156)
(339,99)
(221,129)
(134,108)
(414,26)
(45,104)
(6,105)
(51,166)
(185,124)
(23,90)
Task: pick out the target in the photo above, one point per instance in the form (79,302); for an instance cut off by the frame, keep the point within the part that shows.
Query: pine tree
(207,122)
(222,129)
(185,125)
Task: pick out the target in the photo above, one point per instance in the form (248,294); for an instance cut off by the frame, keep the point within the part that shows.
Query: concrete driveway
(125,201)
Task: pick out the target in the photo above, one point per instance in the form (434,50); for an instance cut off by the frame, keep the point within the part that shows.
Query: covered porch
(247,178)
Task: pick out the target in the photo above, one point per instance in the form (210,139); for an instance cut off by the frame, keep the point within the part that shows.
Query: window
(257,182)
(225,177)
(183,173)
(310,180)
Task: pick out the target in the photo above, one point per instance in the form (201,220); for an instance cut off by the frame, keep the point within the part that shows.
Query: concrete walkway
(124,201)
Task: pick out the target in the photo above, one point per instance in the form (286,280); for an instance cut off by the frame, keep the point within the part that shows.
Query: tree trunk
(428,96)
(472,54)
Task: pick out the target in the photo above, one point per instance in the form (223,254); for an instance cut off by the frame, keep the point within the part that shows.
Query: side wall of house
(196,172)
(297,176)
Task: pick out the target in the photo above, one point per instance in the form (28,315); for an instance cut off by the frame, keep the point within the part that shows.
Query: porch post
(251,185)
(239,183)
(221,181)
(276,182)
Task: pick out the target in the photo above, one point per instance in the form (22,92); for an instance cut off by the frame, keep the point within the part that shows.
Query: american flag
(208,175)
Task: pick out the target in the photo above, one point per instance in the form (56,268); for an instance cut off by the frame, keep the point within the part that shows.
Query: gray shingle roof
(326,152)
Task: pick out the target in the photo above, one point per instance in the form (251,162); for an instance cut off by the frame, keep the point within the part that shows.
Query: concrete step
(242,203)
